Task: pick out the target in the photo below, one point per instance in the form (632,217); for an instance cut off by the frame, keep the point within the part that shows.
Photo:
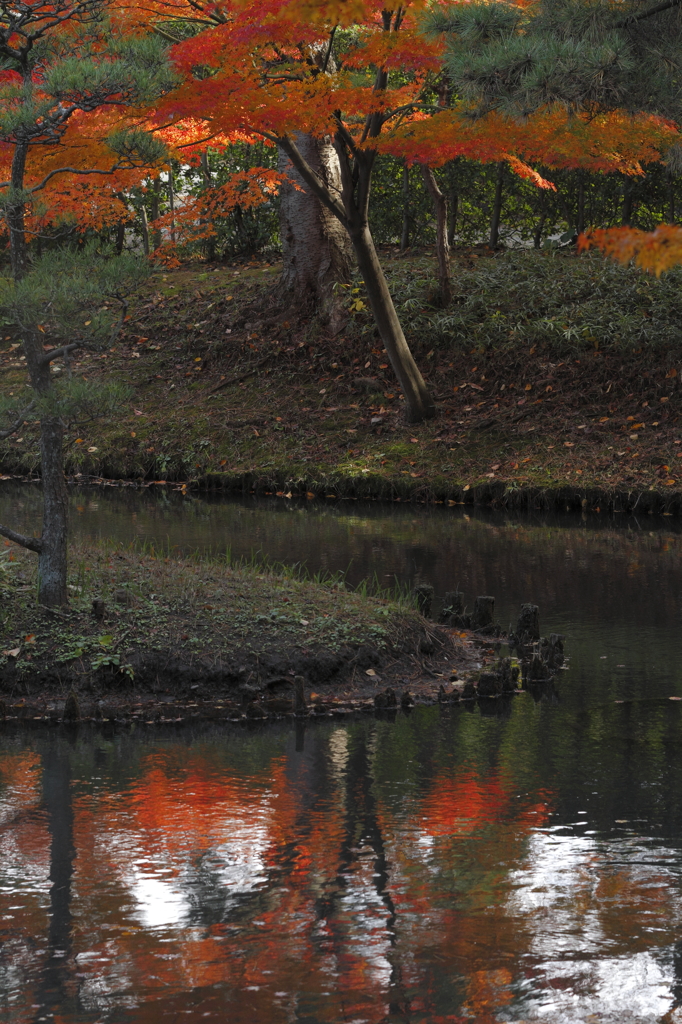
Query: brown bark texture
(316,249)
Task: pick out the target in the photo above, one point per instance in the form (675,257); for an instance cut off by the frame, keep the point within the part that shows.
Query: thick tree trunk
(349,205)
(419,403)
(316,249)
(497,208)
(440,204)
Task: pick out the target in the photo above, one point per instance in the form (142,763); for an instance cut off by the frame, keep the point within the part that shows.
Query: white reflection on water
(581,958)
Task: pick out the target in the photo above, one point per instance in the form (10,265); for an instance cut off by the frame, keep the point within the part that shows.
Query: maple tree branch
(32,543)
(344,134)
(17,423)
(329,50)
(187,145)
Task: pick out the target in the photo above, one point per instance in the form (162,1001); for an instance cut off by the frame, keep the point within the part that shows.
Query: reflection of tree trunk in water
(57,802)
(361,828)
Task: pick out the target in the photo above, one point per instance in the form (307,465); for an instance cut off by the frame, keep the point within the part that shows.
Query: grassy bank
(556,378)
(145,627)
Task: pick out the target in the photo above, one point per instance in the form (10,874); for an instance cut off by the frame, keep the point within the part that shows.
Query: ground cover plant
(142,625)
(546,367)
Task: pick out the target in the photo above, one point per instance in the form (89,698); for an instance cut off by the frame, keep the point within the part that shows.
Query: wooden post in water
(300,706)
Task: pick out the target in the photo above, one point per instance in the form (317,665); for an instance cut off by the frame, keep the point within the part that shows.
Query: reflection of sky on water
(576,968)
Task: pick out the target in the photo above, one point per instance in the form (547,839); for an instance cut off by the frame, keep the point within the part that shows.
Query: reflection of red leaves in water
(462,803)
(299,930)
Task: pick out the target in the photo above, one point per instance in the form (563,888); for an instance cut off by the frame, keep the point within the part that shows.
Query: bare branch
(32,543)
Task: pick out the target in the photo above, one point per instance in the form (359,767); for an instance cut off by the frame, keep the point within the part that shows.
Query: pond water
(513,861)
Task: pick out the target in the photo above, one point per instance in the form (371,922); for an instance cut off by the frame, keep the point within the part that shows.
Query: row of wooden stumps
(538,657)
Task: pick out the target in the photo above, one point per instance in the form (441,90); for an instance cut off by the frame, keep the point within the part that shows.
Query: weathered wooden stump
(72,711)
(552,650)
(528,626)
(386,699)
(423,592)
(489,684)
(535,670)
(452,611)
(483,614)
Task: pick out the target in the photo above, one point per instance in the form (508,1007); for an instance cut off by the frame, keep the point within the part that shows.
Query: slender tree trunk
(52,559)
(537,234)
(440,204)
(671,200)
(419,403)
(155,212)
(580,219)
(120,237)
(171,202)
(626,211)
(454,210)
(52,555)
(405,233)
(497,207)
(145,230)
(316,249)
(208,184)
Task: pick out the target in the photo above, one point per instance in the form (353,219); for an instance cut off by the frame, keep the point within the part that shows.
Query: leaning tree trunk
(316,249)
(440,205)
(419,403)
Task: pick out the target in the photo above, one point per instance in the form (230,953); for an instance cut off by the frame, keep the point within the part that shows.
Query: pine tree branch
(17,423)
(658,9)
(32,543)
